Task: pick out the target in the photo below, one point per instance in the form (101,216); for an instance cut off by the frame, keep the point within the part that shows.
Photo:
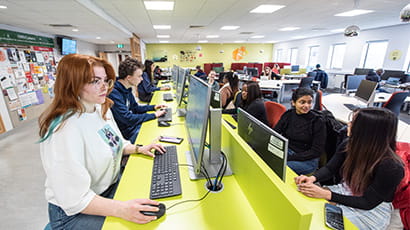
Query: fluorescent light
(159,5)
(337,30)
(3,7)
(98,38)
(75,30)
(298,37)
(212,36)
(272,41)
(239,41)
(163,41)
(229,27)
(266,9)
(258,36)
(202,41)
(163,36)
(162,27)
(112,42)
(289,28)
(352,13)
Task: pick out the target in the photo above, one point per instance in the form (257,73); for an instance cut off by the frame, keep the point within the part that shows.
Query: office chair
(305,82)
(396,101)
(318,101)
(273,112)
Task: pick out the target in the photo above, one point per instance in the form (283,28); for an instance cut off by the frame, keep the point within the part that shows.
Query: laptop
(393,81)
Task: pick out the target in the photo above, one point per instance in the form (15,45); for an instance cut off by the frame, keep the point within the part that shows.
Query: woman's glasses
(97,82)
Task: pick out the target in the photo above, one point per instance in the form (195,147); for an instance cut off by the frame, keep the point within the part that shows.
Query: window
(374,53)
(313,56)
(337,55)
(293,55)
(279,55)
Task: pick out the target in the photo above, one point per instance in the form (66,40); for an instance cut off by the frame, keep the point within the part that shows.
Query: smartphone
(334,217)
(168,139)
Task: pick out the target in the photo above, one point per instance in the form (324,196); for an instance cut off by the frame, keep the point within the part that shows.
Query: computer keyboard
(165,180)
(167,97)
(351,106)
(167,116)
(334,217)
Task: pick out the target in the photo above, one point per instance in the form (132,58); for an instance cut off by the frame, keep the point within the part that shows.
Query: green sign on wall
(12,37)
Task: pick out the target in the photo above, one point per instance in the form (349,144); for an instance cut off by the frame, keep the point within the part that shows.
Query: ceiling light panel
(212,36)
(289,28)
(159,5)
(352,13)
(202,41)
(162,27)
(258,36)
(266,9)
(163,41)
(229,27)
(163,36)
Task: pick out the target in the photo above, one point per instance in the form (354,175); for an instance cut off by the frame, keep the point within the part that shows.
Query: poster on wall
(22,114)
(4,61)
(11,94)
(13,105)
(239,53)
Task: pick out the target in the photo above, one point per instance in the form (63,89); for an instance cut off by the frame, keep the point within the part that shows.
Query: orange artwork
(239,53)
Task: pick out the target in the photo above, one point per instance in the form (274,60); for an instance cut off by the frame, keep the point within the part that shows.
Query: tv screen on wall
(68,46)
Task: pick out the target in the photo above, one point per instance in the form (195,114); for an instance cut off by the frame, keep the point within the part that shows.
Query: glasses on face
(98,82)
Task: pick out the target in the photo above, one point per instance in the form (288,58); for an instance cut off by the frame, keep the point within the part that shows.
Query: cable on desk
(185,201)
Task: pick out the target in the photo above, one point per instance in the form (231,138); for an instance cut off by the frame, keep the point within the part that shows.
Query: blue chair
(396,101)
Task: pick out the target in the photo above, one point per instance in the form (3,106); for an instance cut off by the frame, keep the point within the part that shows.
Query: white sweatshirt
(81,159)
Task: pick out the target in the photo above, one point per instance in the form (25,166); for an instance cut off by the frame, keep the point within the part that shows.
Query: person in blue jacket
(147,87)
(321,76)
(127,113)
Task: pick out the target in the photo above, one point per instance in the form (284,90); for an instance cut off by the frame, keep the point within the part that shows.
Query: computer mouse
(158,214)
(381,97)
(163,124)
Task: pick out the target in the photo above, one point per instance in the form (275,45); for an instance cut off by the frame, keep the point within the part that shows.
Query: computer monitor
(253,72)
(174,74)
(366,91)
(181,92)
(215,99)
(271,147)
(392,73)
(294,69)
(353,82)
(198,113)
(218,69)
(361,71)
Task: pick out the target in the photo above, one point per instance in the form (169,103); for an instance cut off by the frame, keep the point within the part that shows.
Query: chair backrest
(273,112)
(306,82)
(396,101)
(318,101)
(312,74)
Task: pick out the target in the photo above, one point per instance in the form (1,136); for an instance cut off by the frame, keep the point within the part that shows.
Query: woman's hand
(146,149)
(304,179)
(314,191)
(160,107)
(130,210)
(165,88)
(159,113)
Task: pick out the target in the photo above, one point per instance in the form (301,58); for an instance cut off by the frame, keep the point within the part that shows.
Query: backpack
(336,132)
(402,196)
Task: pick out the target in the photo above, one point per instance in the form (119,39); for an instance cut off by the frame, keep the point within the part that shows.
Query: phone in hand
(334,217)
(169,139)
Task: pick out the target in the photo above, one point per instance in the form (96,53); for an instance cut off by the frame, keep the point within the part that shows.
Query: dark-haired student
(229,89)
(254,104)
(369,167)
(127,113)
(146,87)
(305,131)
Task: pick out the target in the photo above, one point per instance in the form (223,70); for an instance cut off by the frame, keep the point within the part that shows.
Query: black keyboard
(334,217)
(167,97)
(165,181)
(351,106)
(167,116)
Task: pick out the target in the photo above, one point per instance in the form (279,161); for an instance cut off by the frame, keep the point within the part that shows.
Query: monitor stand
(181,112)
(212,167)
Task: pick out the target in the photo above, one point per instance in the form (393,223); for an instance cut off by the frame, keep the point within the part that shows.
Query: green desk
(253,198)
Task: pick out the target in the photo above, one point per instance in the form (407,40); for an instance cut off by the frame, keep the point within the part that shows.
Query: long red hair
(74,71)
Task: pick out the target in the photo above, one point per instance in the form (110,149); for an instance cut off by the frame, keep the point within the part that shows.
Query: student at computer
(372,76)
(321,76)
(81,148)
(211,80)
(229,89)
(128,114)
(369,167)
(305,131)
(238,100)
(200,73)
(276,69)
(270,74)
(254,104)
(157,73)
(146,87)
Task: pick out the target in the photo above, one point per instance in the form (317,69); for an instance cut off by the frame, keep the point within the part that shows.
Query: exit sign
(120,45)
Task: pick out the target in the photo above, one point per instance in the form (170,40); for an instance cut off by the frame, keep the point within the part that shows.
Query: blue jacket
(127,113)
(145,88)
(322,77)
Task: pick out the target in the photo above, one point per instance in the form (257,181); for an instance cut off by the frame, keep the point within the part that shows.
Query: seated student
(254,104)
(238,100)
(305,131)
(276,69)
(81,149)
(157,73)
(211,80)
(200,73)
(127,113)
(146,88)
(270,74)
(229,89)
(372,76)
(369,167)
(321,76)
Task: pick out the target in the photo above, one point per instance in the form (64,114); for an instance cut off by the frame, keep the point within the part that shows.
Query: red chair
(318,101)
(396,101)
(273,112)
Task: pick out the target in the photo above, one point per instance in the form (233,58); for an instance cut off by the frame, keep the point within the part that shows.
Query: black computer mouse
(163,124)
(158,214)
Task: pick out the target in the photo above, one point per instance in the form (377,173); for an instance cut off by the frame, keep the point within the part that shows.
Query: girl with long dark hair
(146,87)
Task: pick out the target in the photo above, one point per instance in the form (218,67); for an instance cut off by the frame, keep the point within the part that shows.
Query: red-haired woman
(81,149)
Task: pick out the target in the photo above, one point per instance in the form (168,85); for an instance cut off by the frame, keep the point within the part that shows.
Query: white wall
(398,37)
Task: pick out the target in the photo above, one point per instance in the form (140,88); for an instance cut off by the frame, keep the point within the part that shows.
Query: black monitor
(294,69)
(218,69)
(215,99)
(392,73)
(353,82)
(366,91)
(268,144)
(361,71)
(253,72)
